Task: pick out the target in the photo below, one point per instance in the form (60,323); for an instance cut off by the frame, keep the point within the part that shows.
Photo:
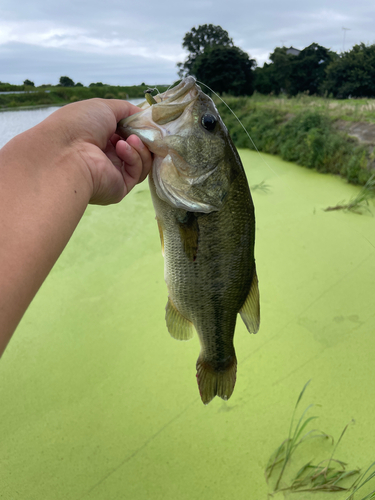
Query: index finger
(121,109)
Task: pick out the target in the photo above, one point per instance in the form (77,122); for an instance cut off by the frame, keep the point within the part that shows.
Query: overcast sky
(126,43)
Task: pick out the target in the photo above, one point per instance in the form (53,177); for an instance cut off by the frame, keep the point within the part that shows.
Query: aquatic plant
(361,481)
(360,202)
(327,475)
(262,186)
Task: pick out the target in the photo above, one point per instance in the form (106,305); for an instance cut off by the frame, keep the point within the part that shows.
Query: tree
(281,70)
(225,69)
(352,74)
(264,79)
(275,77)
(65,81)
(29,83)
(293,74)
(198,40)
(309,69)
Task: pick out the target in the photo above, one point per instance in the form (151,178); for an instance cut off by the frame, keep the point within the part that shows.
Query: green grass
(329,475)
(361,481)
(338,109)
(56,95)
(302,133)
(359,203)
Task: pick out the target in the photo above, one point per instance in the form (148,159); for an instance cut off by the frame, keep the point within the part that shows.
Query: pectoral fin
(179,327)
(161,235)
(250,311)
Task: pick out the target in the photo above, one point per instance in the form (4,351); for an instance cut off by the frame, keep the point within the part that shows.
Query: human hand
(111,165)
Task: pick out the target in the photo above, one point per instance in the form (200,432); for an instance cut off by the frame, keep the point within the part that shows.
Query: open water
(16,121)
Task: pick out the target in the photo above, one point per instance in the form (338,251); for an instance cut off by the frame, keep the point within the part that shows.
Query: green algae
(98,401)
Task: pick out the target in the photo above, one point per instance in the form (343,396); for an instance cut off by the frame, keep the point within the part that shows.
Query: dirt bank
(364,132)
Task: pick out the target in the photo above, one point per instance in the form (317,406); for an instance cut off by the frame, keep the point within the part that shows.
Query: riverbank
(58,96)
(326,135)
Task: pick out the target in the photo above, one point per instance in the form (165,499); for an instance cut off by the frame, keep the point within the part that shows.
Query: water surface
(13,122)
(99,402)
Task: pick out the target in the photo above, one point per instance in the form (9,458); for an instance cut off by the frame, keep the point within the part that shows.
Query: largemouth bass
(206,222)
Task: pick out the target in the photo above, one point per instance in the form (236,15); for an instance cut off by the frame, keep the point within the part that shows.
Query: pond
(98,401)
(13,122)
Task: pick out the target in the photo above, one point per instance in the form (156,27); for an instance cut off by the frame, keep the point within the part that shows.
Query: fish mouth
(177,92)
(148,123)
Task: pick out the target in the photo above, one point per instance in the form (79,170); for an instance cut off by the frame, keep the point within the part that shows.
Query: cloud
(138,41)
(18,61)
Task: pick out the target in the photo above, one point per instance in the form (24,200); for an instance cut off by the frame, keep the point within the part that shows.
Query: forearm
(43,195)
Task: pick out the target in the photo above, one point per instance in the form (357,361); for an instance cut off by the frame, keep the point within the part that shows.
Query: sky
(128,43)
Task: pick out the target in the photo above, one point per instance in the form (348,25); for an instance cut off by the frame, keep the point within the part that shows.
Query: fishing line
(234,114)
(242,125)
(239,121)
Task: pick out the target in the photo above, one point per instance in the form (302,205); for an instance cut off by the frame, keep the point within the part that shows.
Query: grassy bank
(303,130)
(56,95)
(344,109)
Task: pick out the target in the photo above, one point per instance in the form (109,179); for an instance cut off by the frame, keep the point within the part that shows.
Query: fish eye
(208,121)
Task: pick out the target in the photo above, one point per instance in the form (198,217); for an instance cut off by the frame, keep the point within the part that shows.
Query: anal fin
(179,327)
(250,311)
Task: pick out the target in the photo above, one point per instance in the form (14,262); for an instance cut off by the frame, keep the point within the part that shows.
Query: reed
(359,203)
(329,475)
(361,481)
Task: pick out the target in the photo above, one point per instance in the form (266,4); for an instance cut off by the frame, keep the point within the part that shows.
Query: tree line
(214,60)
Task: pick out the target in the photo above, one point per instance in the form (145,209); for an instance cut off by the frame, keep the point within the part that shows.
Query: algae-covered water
(98,402)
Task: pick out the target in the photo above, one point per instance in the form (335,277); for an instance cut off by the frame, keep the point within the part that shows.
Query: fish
(205,215)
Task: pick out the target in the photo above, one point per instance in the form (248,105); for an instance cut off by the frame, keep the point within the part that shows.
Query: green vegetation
(316,70)
(292,74)
(329,475)
(236,75)
(197,40)
(28,83)
(65,81)
(361,481)
(49,95)
(262,187)
(301,130)
(359,203)
(216,61)
(353,73)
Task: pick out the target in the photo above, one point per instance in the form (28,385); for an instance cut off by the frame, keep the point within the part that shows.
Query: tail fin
(213,382)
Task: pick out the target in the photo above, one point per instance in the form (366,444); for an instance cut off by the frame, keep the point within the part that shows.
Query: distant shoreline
(136,100)
(59,95)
